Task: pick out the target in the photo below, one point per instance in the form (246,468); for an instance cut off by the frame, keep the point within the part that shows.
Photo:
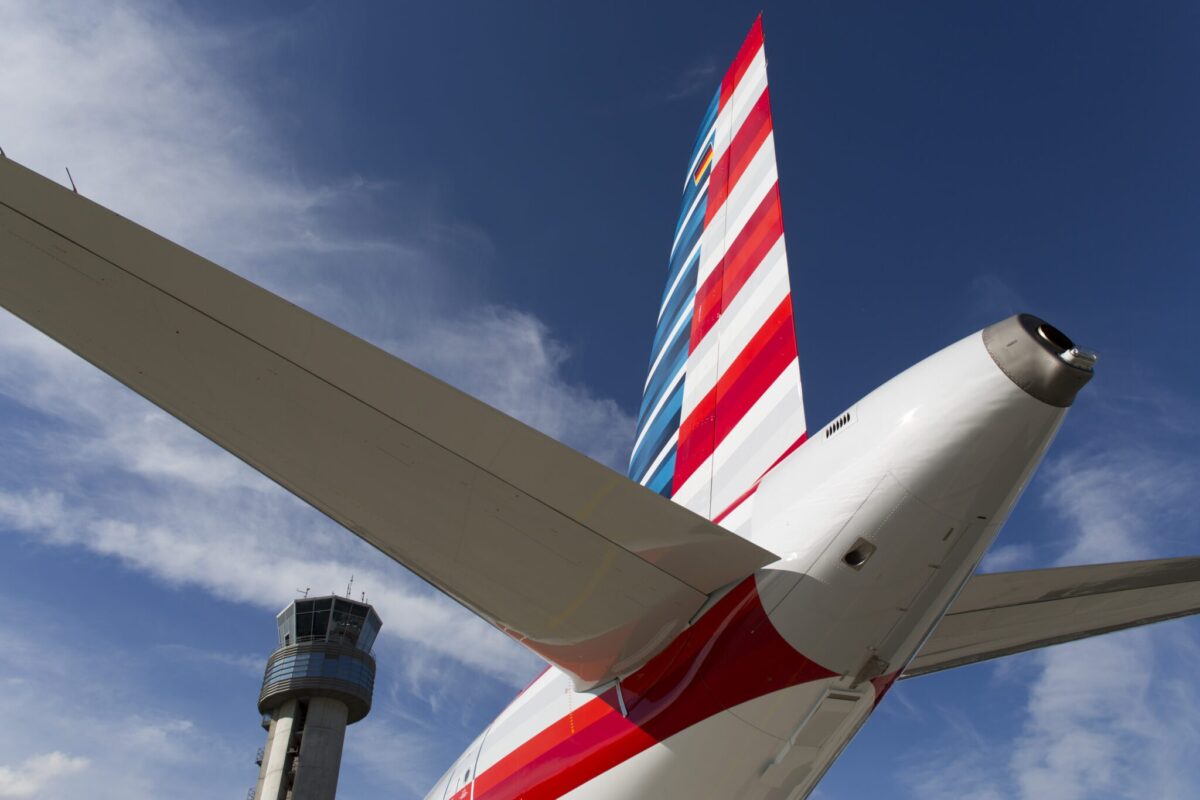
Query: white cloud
(961,773)
(138,717)
(37,509)
(480,350)
(1120,502)
(247,663)
(31,777)
(1008,557)
(256,547)
(397,758)
(97,704)
(1106,719)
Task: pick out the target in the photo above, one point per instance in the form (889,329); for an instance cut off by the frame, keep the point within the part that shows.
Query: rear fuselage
(879,519)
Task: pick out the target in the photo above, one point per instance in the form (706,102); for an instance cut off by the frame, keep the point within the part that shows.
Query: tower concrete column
(319,680)
(321,749)
(271,775)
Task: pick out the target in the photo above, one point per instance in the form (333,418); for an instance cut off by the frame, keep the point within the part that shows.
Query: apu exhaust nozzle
(1039,358)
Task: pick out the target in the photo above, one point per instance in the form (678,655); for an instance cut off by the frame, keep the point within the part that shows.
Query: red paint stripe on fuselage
(733,654)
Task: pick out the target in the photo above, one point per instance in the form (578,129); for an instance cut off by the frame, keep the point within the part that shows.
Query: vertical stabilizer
(722,403)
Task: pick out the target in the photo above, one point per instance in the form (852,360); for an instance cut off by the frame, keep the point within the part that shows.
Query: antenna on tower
(349,585)
(364,597)
(303,591)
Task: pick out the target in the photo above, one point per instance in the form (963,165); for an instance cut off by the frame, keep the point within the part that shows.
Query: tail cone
(1039,358)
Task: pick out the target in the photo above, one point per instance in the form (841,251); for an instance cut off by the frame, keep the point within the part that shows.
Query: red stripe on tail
(733,162)
(747,251)
(738,388)
(750,48)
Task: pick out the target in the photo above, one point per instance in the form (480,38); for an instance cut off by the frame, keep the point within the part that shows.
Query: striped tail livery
(722,402)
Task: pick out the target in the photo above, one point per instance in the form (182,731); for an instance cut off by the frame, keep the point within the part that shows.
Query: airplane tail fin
(722,402)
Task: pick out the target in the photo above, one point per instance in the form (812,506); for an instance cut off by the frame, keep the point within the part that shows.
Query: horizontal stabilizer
(584,566)
(1010,612)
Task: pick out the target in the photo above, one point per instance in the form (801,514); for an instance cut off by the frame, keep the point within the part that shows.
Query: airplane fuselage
(879,519)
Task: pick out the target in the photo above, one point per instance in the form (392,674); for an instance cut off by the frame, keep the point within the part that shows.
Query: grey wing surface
(1010,612)
(587,568)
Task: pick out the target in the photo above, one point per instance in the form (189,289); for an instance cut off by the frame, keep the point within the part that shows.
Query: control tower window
(304,622)
(320,622)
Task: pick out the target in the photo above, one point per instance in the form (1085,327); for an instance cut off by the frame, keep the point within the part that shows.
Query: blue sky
(488,190)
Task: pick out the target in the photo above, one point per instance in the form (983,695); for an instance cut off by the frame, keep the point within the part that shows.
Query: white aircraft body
(779,670)
(720,623)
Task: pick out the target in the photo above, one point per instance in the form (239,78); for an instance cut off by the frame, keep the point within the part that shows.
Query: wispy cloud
(251,664)
(32,777)
(1009,557)
(1120,502)
(701,77)
(253,547)
(86,690)
(992,296)
(963,772)
(1105,719)
(71,729)
(397,757)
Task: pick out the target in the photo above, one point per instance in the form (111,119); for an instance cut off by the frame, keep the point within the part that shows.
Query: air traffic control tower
(318,681)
